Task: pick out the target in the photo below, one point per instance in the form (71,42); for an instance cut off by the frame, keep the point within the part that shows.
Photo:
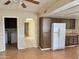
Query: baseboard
(71,46)
(2,50)
(44,49)
(57,49)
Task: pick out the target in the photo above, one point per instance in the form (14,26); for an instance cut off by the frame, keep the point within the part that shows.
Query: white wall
(20,23)
(2,48)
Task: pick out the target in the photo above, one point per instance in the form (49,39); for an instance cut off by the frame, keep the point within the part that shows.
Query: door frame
(17,18)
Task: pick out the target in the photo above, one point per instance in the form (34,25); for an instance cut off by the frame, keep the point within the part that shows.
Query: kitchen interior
(45,25)
(10,33)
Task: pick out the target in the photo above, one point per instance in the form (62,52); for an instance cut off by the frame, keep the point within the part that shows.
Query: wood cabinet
(45,29)
(45,33)
(70,23)
(71,40)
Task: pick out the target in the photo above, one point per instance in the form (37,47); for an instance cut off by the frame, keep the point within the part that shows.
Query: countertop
(72,34)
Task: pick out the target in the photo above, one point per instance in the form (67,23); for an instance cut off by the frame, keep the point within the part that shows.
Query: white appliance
(14,37)
(58,36)
(6,37)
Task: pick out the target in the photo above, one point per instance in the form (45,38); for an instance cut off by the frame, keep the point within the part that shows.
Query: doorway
(30,33)
(10,25)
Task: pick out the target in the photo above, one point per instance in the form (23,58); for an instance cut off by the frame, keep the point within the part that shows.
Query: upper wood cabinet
(70,23)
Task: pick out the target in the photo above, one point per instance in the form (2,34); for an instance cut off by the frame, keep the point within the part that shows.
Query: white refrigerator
(58,32)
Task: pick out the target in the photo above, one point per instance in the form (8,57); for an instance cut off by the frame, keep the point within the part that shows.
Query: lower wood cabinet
(46,40)
(71,40)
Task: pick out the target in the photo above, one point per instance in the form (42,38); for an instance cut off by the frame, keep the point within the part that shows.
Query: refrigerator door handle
(58,33)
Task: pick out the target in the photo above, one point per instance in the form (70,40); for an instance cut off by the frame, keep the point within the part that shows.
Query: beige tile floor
(36,53)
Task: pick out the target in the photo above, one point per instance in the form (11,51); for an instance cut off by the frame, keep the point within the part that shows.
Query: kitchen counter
(71,34)
(71,39)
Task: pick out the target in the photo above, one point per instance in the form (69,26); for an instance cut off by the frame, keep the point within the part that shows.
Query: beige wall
(30,40)
(77,26)
(21,19)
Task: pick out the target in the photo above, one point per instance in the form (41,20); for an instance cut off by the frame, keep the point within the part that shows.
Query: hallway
(33,53)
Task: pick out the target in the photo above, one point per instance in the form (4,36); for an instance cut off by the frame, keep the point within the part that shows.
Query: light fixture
(7,2)
(23,5)
(21,2)
(16,1)
(28,19)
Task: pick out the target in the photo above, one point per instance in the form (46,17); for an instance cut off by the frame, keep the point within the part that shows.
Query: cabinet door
(71,40)
(41,33)
(46,33)
(70,23)
(46,40)
(67,41)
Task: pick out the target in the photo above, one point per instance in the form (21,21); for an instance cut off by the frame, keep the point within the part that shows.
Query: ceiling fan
(21,2)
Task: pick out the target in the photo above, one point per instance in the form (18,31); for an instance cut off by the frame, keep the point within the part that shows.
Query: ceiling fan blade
(7,2)
(33,1)
(23,5)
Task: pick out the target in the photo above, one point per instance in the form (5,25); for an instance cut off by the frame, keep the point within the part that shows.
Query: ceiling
(44,6)
(30,6)
(70,10)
